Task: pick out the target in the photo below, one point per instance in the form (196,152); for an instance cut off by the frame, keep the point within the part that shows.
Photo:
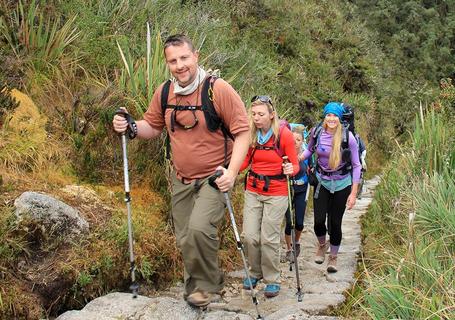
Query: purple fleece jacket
(323,153)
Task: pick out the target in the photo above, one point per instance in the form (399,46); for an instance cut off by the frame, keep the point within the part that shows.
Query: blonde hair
(335,153)
(275,122)
(298,129)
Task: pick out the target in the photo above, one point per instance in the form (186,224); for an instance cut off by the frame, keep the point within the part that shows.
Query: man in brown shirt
(197,208)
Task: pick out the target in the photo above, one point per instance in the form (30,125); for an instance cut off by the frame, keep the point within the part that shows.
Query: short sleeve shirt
(196,152)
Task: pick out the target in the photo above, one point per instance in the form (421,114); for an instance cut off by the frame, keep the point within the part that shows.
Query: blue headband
(334,107)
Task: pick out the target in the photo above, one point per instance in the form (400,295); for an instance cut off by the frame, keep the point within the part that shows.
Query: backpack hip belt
(265,178)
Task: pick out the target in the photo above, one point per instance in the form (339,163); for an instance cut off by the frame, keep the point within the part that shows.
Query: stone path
(321,291)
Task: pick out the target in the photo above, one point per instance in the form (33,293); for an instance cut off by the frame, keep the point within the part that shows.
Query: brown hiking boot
(320,253)
(332,264)
(198,298)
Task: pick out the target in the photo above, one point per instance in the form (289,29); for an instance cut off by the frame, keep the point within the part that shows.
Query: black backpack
(212,119)
(348,122)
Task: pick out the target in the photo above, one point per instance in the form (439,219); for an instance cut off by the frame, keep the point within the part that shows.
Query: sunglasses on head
(263,99)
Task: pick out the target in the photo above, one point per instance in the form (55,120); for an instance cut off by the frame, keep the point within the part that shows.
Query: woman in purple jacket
(338,179)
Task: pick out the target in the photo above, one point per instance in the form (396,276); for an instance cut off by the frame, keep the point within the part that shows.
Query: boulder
(56,217)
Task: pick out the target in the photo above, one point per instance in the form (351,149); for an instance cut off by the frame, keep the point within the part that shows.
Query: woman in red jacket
(266,195)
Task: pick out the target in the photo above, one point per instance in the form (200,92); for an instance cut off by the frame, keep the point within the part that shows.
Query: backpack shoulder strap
(278,147)
(165,96)
(212,119)
(316,134)
(345,138)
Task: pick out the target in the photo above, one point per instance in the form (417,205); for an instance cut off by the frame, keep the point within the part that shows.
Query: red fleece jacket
(268,162)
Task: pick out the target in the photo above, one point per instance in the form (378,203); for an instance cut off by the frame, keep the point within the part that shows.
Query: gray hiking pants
(262,218)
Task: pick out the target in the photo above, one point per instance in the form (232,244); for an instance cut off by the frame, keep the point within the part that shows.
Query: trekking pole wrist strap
(131,129)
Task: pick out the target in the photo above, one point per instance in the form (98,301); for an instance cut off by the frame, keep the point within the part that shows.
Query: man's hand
(226,181)
(119,122)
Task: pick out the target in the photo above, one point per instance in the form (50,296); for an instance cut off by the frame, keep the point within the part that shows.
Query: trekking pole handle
(216,175)
(286,161)
(131,129)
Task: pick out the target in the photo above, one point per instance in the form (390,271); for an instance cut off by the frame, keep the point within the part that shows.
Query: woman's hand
(351,201)
(288,169)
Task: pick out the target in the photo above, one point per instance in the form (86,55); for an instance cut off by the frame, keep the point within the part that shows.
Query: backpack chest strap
(183,108)
(259,147)
(176,108)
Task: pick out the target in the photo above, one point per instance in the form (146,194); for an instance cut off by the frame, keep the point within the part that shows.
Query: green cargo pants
(197,211)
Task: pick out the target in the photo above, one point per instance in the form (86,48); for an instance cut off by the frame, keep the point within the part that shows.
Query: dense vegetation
(80,60)
(420,35)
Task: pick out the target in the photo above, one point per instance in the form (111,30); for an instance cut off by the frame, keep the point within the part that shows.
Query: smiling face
(182,62)
(262,117)
(332,121)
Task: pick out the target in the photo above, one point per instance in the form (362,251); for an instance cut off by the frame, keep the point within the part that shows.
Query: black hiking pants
(299,210)
(330,206)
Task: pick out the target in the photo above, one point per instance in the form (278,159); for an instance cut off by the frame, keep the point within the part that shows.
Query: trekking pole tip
(134,289)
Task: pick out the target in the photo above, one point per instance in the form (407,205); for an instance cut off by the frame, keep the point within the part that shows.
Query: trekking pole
(134,287)
(212,179)
(296,263)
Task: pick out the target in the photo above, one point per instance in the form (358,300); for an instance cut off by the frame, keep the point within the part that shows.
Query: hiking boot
(332,264)
(246,283)
(271,290)
(289,256)
(320,253)
(198,298)
(297,249)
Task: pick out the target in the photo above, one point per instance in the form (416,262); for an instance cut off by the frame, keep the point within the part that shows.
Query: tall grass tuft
(430,135)
(411,229)
(141,77)
(42,40)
